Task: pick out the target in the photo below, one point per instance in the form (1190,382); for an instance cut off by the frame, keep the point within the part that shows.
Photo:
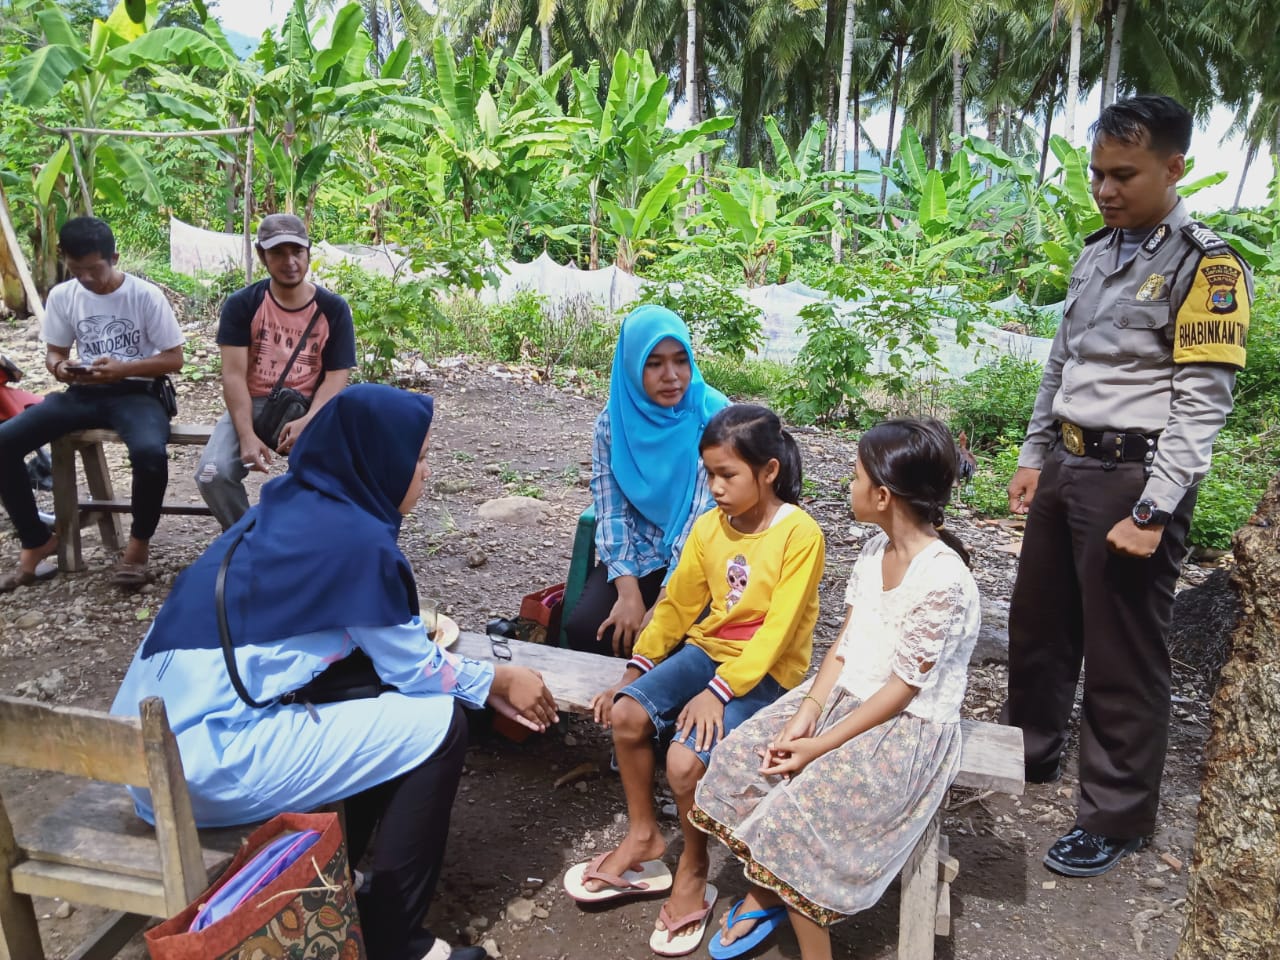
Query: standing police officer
(1137,385)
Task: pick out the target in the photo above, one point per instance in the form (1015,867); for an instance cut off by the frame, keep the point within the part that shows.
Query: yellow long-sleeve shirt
(763,592)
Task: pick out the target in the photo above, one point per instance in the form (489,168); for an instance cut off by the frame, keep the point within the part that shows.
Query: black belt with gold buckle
(1111,446)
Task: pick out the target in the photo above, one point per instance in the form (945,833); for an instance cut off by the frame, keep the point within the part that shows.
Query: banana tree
(491,134)
(308,98)
(628,154)
(88,78)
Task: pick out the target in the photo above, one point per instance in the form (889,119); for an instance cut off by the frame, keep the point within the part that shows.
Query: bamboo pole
(148,134)
(84,186)
(34,304)
(248,195)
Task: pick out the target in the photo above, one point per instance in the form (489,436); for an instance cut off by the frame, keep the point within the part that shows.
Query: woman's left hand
(519,693)
(703,716)
(777,760)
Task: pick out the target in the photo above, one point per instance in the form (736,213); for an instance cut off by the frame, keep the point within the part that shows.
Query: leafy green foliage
(994,402)
(1242,467)
(988,491)
(720,320)
(391,318)
(759,380)
(872,349)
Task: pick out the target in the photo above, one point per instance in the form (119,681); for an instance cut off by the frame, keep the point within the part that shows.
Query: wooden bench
(93,848)
(71,513)
(991,759)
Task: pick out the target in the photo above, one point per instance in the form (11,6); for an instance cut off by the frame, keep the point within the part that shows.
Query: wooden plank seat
(991,759)
(71,513)
(93,849)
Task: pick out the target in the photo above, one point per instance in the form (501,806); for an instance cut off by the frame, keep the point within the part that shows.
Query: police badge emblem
(1151,288)
(1222,287)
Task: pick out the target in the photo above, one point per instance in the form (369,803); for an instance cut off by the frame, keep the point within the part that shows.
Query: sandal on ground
(652,876)
(767,921)
(45,570)
(132,575)
(665,942)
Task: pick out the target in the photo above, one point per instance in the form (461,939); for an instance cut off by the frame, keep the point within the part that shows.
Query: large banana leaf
(911,156)
(37,77)
(47,179)
(170,45)
(933,214)
(656,199)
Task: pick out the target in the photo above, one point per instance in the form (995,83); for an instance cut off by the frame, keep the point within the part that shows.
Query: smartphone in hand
(76,367)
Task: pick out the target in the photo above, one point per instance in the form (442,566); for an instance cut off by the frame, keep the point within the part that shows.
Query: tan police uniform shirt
(1152,344)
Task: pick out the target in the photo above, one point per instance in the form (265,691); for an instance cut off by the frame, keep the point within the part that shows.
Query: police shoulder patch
(1205,239)
(1212,324)
(1097,235)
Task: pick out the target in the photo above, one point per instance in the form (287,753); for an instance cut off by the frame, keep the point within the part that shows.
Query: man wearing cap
(259,334)
(1137,386)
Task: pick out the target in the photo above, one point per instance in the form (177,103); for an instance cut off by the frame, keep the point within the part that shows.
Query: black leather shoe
(1084,854)
(1043,772)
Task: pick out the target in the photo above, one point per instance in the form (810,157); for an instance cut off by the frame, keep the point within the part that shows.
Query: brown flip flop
(45,570)
(131,575)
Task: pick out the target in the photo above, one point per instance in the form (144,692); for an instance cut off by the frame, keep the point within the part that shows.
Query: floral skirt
(830,840)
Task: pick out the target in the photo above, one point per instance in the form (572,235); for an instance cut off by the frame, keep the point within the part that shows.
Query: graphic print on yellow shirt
(762,590)
(738,575)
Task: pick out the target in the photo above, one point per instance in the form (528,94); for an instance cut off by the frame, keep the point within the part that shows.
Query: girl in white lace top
(824,794)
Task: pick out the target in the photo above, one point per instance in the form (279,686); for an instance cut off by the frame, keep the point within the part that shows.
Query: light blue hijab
(654,452)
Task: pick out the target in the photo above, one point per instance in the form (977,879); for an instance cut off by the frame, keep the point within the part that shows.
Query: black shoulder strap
(293,357)
(1097,235)
(224,632)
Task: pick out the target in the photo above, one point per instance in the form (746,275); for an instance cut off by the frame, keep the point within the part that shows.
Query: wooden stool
(71,513)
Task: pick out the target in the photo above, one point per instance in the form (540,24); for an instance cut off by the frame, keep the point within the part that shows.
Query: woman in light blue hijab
(647,480)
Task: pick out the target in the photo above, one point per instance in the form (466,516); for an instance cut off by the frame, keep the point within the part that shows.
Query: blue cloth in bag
(267,864)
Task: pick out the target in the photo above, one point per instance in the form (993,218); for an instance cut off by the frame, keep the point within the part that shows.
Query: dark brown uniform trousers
(1075,600)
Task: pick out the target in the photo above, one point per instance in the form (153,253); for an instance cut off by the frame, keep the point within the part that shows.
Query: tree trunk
(1112,81)
(1044,146)
(749,122)
(544,32)
(1249,156)
(931,151)
(893,115)
(957,100)
(1073,75)
(692,97)
(846,77)
(1233,888)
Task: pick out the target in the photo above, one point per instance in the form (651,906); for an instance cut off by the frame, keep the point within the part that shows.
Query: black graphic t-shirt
(252,318)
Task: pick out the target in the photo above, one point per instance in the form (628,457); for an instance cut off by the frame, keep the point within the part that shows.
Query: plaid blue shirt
(627,542)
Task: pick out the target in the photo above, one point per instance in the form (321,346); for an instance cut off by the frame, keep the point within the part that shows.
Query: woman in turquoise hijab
(647,480)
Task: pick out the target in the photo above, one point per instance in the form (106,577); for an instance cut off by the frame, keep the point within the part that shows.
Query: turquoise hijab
(654,449)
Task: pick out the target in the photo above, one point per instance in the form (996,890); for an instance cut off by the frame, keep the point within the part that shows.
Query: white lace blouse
(923,630)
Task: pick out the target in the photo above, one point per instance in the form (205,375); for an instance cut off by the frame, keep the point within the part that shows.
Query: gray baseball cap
(278,228)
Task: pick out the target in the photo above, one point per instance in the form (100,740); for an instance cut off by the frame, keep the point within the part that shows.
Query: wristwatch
(1146,515)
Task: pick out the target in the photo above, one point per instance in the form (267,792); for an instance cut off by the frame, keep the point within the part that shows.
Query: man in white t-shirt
(126,338)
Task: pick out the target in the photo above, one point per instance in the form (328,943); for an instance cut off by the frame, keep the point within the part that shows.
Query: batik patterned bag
(308,912)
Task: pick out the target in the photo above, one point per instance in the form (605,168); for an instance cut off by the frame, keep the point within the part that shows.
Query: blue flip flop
(767,921)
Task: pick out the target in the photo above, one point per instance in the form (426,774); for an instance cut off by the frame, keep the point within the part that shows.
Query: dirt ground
(499,432)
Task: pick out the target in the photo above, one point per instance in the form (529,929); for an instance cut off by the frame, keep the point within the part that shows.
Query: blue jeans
(667,688)
(130,408)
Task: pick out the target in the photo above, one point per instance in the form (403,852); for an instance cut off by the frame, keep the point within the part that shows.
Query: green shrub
(1242,467)
(515,325)
(996,400)
(761,380)
(893,312)
(391,317)
(988,491)
(1257,393)
(719,319)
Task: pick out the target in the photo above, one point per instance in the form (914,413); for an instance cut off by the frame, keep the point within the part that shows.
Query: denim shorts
(667,688)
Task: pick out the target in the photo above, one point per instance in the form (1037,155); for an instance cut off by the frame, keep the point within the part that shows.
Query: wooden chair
(71,513)
(94,849)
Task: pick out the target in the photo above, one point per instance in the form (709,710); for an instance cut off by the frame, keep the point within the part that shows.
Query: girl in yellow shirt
(755,563)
